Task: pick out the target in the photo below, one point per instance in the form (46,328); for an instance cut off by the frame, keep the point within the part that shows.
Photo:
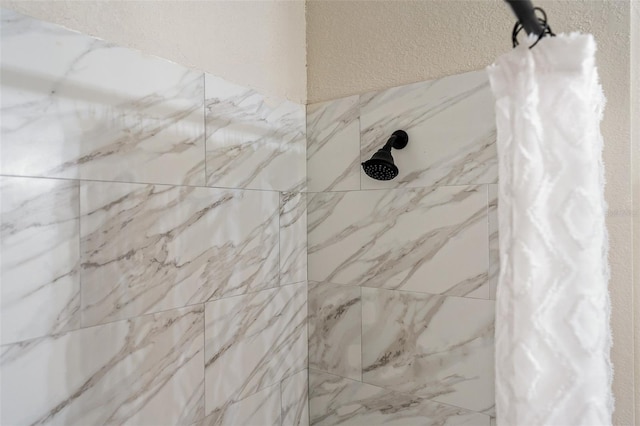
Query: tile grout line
(406,188)
(360,139)
(423,398)
(281,404)
(204,359)
(230,188)
(174,185)
(361,337)
(163,311)
(400,290)
(489,280)
(308,384)
(306,197)
(204,123)
(280,209)
(80,254)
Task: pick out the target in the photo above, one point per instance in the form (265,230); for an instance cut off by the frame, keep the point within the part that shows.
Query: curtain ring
(546,29)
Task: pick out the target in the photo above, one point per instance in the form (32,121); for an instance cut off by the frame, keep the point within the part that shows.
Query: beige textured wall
(635,131)
(256,43)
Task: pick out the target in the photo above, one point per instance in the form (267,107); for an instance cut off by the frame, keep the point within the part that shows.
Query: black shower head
(381,165)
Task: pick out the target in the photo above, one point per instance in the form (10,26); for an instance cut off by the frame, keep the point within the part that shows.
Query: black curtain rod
(523,9)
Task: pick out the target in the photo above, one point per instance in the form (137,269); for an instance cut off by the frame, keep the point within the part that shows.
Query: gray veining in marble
(293,237)
(40,287)
(451,127)
(335,322)
(78,107)
(494,246)
(333,145)
(334,400)
(253,141)
(295,393)
(437,347)
(430,240)
(144,371)
(253,341)
(260,409)
(115,250)
(147,248)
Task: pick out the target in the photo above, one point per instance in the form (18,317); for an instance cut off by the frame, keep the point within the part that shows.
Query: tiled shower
(160,226)
(402,273)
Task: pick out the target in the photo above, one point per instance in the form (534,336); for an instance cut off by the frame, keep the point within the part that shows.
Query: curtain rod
(523,9)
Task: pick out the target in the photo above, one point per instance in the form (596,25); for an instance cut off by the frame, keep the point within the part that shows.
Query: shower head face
(379,169)
(381,165)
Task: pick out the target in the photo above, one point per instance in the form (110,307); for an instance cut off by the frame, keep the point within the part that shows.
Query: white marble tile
(77,107)
(144,371)
(39,280)
(333,145)
(260,409)
(253,341)
(147,248)
(335,400)
(293,237)
(451,127)
(430,240)
(437,347)
(253,141)
(295,401)
(494,247)
(335,322)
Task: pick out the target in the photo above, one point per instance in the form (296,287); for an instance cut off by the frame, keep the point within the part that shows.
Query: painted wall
(259,44)
(635,132)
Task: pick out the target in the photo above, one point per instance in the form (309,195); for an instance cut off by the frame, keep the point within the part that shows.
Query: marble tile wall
(72,109)
(295,399)
(153,237)
(402,274)
(337,400)
(332,159)
(433,346)
(409,239)
(253,141)
(451,127)
(335,328)
(264,334)
(159,226)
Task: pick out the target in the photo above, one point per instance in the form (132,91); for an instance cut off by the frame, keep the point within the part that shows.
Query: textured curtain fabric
(552,308)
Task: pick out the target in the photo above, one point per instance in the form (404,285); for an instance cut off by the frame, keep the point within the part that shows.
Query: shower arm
(523,9)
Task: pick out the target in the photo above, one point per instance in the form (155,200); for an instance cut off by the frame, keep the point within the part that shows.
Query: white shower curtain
(552,308)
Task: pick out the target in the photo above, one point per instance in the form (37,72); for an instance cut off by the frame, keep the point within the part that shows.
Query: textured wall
(260,44)
(399,42)
(635,129)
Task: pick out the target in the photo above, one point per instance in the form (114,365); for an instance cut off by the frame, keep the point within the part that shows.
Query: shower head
(381,165)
